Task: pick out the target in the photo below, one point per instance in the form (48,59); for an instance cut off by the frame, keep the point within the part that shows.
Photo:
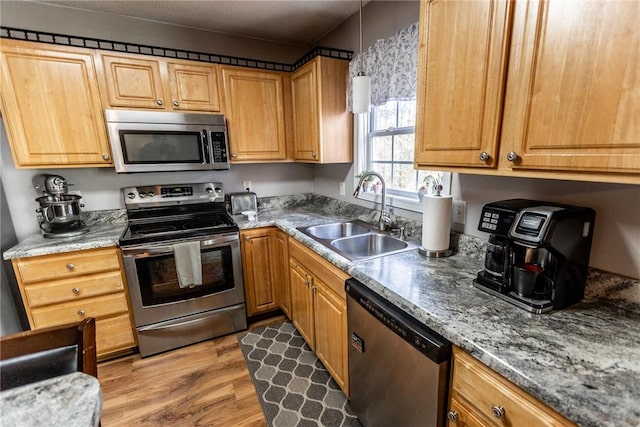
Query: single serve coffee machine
(538,253)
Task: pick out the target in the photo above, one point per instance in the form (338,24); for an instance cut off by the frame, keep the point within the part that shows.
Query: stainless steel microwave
(155,141)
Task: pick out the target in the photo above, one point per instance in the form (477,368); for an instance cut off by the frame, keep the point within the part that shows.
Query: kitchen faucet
(385,220)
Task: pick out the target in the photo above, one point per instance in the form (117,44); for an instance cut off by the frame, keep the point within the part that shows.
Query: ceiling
(298,22)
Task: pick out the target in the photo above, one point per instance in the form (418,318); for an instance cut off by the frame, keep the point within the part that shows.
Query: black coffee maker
(538,253)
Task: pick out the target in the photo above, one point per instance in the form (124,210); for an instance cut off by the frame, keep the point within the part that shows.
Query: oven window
(159,282)
(141,147)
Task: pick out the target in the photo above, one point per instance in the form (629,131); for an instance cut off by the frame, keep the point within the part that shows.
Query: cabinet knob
(176,104)
(314,154)
(76,290)
(452,416)
(247,238)
(159,101)
(484,156)
(234,155)
(70,266)
(106,157)
(306,283)
(81,313)
(498,411)
(512,156)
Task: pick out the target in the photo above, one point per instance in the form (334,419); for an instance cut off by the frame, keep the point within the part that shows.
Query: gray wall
(616,245)
(64,20)
(12,316)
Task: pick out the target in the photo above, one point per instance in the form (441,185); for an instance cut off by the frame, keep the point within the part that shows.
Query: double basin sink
(356,240)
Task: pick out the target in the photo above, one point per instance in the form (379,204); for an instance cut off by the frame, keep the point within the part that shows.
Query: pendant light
(361,84)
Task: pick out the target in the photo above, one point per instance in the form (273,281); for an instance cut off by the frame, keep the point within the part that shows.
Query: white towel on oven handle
(188,264)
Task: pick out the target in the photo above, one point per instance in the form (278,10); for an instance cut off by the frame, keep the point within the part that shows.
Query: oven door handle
(176,323)
(168,249)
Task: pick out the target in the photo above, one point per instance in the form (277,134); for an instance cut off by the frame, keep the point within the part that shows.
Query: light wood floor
(205,384)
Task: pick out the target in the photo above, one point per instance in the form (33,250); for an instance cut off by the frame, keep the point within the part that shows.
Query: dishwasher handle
(421,337)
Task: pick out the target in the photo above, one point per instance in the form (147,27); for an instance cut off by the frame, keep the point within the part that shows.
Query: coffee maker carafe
(538,253)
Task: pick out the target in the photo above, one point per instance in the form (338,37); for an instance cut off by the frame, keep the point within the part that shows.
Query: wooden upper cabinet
(573,94)
(132,81)
(463,47)
(51,106)
(255,112)
(571,103)
(322,126)
(194,87)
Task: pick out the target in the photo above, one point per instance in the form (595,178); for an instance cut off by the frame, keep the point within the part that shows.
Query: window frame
(364,129)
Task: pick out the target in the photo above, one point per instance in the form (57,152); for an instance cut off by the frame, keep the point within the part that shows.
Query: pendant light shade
(361,96)
(361,84)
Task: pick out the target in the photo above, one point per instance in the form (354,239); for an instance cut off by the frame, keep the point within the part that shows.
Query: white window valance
(392,65)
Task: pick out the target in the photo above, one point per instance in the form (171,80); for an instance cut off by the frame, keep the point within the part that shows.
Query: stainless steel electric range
(163,221)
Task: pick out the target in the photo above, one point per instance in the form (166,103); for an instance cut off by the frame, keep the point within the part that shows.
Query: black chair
(41,354)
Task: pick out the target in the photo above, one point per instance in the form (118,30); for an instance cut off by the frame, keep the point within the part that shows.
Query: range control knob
(150,194)
(209,190)
(131,195)
(142,194)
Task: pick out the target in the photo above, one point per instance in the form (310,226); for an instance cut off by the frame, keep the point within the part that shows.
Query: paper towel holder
(433,253)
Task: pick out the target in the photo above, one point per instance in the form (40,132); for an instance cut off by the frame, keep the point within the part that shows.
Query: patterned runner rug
(294,387)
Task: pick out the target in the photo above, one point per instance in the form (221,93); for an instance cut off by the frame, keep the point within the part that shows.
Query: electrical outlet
(459,211)
(246,185)
(342,191)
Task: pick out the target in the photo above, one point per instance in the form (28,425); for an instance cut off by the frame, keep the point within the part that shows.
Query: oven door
(153,282)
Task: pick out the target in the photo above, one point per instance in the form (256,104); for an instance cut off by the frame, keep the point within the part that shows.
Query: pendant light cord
(361,73)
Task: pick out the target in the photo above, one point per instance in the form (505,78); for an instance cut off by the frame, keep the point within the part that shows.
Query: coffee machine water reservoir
(538,253)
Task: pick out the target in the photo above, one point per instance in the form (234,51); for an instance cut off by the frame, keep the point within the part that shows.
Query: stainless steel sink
(337,230)
(369,245)
(356,240)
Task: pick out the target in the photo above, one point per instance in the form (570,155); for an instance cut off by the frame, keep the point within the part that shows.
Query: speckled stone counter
(583,361)
(105,228)
(69,400)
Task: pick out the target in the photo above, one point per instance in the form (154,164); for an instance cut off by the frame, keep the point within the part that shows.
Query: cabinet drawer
(483,389)
(74,288)
(114,334)
(69,312)
(66,265)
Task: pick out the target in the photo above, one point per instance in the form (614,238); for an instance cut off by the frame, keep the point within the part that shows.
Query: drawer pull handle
(498,411)
(452,416)
(70,266)
(81,313)
(76,290)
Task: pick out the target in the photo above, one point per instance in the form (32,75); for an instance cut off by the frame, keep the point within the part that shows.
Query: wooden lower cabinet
(265,266)
(319,309)
(68,287)
(481,397)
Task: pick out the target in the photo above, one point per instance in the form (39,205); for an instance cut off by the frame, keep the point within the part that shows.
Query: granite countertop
(583,361)
(69,400)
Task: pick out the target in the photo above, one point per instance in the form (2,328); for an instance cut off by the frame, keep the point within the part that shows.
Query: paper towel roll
(436,222)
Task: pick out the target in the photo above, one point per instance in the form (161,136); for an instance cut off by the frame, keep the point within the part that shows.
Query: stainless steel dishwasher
(398,367)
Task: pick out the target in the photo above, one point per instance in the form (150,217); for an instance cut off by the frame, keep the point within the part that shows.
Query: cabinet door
(573,98)
(255,114)
(331,333)
(132,82)
(51,106)
(258,277)
(194,87)
(463,50)
(304,95)
(302,301)
(280,271)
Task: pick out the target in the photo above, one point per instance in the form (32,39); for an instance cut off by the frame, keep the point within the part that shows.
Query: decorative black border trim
(124,47)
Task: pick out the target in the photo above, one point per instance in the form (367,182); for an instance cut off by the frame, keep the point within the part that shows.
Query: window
(388,149)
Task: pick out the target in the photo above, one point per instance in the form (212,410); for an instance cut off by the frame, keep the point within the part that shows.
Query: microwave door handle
(206,147)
